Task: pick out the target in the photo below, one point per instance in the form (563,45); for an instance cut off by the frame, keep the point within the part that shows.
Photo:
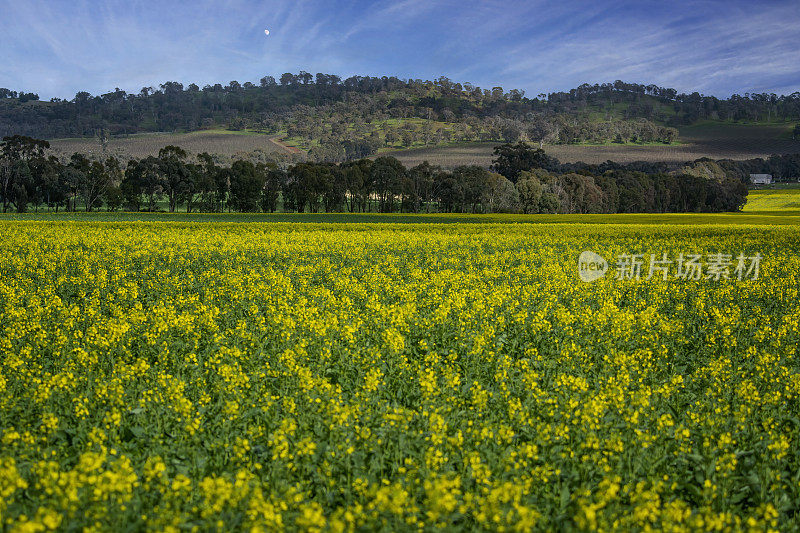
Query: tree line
(677,108)
(272,104)
(334,133)
(521,179)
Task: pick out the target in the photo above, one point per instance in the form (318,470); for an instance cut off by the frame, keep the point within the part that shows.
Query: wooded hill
(348,119)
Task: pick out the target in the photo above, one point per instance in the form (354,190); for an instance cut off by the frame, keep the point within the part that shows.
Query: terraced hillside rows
(716,141)
(221,142)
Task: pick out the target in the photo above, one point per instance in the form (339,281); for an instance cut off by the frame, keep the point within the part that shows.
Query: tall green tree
(451,194)
(97,181)
(500,196)
(334,188)
(474,182)
(387,175)
(22,161)
(173,173)
(511,159)
(53,188)
(275,179)
(212,183)
(132,185)
(357,178)
(246,186)
(426,183)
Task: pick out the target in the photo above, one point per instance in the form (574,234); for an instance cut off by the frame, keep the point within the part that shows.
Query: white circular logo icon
(591,266)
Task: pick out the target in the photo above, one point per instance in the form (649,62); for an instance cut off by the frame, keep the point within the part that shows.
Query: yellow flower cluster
(264,376)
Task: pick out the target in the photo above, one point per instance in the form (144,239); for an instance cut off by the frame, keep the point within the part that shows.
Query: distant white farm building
(760,179)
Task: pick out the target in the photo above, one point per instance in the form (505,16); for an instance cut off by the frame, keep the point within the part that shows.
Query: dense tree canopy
(522,178)
(351,118)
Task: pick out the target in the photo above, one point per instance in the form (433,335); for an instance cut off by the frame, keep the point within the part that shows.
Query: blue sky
(57,47)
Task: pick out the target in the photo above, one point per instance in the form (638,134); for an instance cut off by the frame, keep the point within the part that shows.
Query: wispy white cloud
(57,47)
(719,54)
(387,15)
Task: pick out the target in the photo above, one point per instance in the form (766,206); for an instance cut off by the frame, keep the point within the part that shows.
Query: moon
(266,32)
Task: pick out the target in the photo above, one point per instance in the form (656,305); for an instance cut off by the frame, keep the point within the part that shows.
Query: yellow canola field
(171,376)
